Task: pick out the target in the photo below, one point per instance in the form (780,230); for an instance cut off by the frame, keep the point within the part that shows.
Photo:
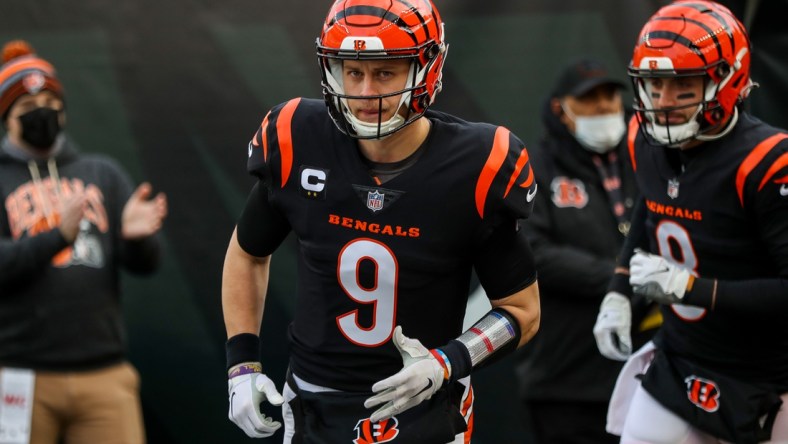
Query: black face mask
(40,127)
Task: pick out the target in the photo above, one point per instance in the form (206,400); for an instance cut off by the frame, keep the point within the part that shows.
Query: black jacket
(575,238)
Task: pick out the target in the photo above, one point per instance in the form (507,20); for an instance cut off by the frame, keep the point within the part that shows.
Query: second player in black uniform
(392,206)
(714,249)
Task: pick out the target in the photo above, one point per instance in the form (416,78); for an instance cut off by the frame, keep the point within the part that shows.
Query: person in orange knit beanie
(68,223)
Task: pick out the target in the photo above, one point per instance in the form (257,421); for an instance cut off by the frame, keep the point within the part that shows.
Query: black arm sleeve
(505,262)
(261,228)
(635,239)
(764,297)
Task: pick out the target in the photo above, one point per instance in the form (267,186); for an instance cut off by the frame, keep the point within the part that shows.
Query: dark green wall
(175,89)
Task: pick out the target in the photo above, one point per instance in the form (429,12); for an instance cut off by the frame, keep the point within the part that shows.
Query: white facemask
(599,134)
(369,129)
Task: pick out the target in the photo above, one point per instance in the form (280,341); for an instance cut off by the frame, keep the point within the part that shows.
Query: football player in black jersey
(709,241)
(392,207)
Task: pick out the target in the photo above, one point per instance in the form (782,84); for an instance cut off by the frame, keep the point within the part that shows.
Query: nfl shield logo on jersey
(673,188)
(375,200)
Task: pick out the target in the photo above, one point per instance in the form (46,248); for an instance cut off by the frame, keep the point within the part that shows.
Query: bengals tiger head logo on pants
(703,393)
(368,432)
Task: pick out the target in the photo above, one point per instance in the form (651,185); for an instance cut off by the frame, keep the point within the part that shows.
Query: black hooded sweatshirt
(576,238)
(60,306)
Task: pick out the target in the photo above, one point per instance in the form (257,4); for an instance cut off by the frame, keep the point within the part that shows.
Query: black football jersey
(721,212)
(371,257)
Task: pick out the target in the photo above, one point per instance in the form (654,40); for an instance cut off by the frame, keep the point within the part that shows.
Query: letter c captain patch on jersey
(368,432)
(313,182)
(377,199)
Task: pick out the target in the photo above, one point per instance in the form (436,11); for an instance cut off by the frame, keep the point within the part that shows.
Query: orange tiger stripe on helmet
(382,30)
(364,18)
(695,37)
(706,29)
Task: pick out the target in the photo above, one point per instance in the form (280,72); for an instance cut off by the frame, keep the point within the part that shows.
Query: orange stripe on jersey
(284,131)
(632,134)
(466,407)
(778,164)
(494,162)
(264,135)
(753,159)
(521,161)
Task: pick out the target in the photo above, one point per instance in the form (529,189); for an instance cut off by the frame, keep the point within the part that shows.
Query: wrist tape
(244,347)
(244,369)
(497,333)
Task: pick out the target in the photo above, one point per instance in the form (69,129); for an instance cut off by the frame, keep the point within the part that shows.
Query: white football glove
(612,327)
(246,393)
(421,376)
(657,279)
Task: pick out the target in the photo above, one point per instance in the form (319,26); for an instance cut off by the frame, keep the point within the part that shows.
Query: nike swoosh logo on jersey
(531,193)
(250,149)
(784,190)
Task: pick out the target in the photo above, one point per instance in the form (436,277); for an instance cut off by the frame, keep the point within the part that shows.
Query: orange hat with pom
(23,72)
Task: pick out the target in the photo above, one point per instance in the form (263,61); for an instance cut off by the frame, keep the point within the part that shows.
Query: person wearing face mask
(580,220)
(68,223)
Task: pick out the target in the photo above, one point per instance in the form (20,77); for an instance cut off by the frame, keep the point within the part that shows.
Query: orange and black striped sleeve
(271,149)
(506,182)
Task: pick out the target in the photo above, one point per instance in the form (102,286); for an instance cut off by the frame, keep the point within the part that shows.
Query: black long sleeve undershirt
(757,297)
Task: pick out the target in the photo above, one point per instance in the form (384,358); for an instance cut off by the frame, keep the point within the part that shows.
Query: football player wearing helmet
(580,220)
(392,206)
(714,245)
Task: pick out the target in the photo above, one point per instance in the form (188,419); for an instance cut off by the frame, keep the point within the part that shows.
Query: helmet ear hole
(432,51)
(424,101)
(723,70)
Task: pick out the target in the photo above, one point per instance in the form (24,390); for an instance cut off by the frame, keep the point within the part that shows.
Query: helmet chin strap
(674,135)
(728,127)
(370,129)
